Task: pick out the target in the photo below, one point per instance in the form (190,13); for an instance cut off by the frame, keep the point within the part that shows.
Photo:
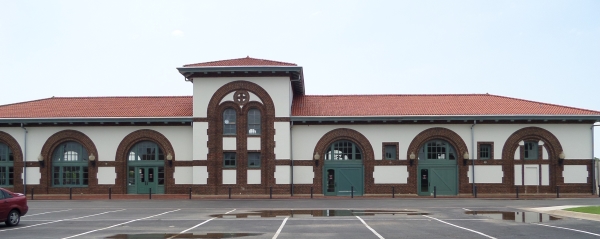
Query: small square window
(390,152)
(229,160)
(485,151)
(254,160)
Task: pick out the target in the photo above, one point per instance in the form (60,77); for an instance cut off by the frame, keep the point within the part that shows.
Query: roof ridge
(550,104)
(247,57)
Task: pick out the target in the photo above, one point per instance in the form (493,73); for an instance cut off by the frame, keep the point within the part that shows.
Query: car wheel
(13,218)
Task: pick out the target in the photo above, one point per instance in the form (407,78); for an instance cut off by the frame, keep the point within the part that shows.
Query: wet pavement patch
(318,213)
(184,235)
(525,217)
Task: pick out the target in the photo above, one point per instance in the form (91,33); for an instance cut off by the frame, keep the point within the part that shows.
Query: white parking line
(466,209)
(372,230)
(202,223)
(119,224)
(45,213)
(17,228)
(570,229)
(480,233)
(280,228)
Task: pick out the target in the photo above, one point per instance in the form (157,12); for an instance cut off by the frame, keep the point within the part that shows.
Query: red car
(12,207)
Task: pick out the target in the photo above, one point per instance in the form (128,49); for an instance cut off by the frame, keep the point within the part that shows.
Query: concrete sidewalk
(558,211)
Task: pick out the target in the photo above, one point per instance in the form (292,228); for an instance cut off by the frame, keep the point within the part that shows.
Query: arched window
(146,150)
(229,120)
(69,165)
(254,122)
(6,165)
(437,149)
(343,150)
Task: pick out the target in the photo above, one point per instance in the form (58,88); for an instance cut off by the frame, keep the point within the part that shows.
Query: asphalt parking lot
(300,218)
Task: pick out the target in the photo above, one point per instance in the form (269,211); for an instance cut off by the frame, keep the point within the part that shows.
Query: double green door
(341,180)
(441,178)
(146,179)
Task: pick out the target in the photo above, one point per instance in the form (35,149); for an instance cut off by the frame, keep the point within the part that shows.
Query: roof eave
(446,117)
(97,120)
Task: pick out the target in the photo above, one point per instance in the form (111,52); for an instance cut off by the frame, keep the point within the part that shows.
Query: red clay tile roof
(90,107)
(311,105)
(247,61)
(410,105)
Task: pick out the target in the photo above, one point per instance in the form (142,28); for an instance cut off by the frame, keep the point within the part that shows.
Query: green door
(340,181)
(146,179)
(442,178)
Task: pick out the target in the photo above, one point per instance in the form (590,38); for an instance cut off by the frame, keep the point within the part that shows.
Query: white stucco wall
(486,174)
(200,175)
(229,143)
(531,174)
(575,138)
(183,175)
(200,143)
(229,176)
(545,170)
(253,143)
(276,87)
(282,140)
(106,139)
(253,176)
(303,175)
(107,175)
(282,174)
(518,175)
(390,174)
(575,173)
(33,175)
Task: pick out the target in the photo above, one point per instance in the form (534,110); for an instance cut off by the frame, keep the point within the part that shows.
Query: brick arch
(215,109)
(135,137)
(50,145)
(15,148)
(451,137)
(551,143)
(351,135)
(234,86)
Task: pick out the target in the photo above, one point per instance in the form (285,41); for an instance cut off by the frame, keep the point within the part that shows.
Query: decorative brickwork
(50,145)
(215,139)
(14,147)
(451,137)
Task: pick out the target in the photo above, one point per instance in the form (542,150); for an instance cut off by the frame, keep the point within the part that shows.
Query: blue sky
(546,51)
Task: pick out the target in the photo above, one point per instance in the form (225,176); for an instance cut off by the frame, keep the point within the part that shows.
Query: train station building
(249,126)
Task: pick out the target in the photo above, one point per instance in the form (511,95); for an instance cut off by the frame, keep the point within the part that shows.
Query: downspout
(594,187)
(473,154)
(24,160)
(292,159)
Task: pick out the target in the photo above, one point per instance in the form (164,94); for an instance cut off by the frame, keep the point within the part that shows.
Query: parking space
(362,218)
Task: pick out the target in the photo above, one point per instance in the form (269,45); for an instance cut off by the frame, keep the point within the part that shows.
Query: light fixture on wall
(170,159)
(561,158)
(41,160)
(317,157)
(465,158)
(92,159)
(412,158)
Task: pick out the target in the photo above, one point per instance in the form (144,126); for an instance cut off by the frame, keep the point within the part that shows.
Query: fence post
(434,192)
(311,192)
(32,193)
(150,194)
(393,192)
(475,191)
(229,193)
(271,192)
(557,192)
(70,193)
(517,191)
(351,191)
(190,192)
(109,193)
